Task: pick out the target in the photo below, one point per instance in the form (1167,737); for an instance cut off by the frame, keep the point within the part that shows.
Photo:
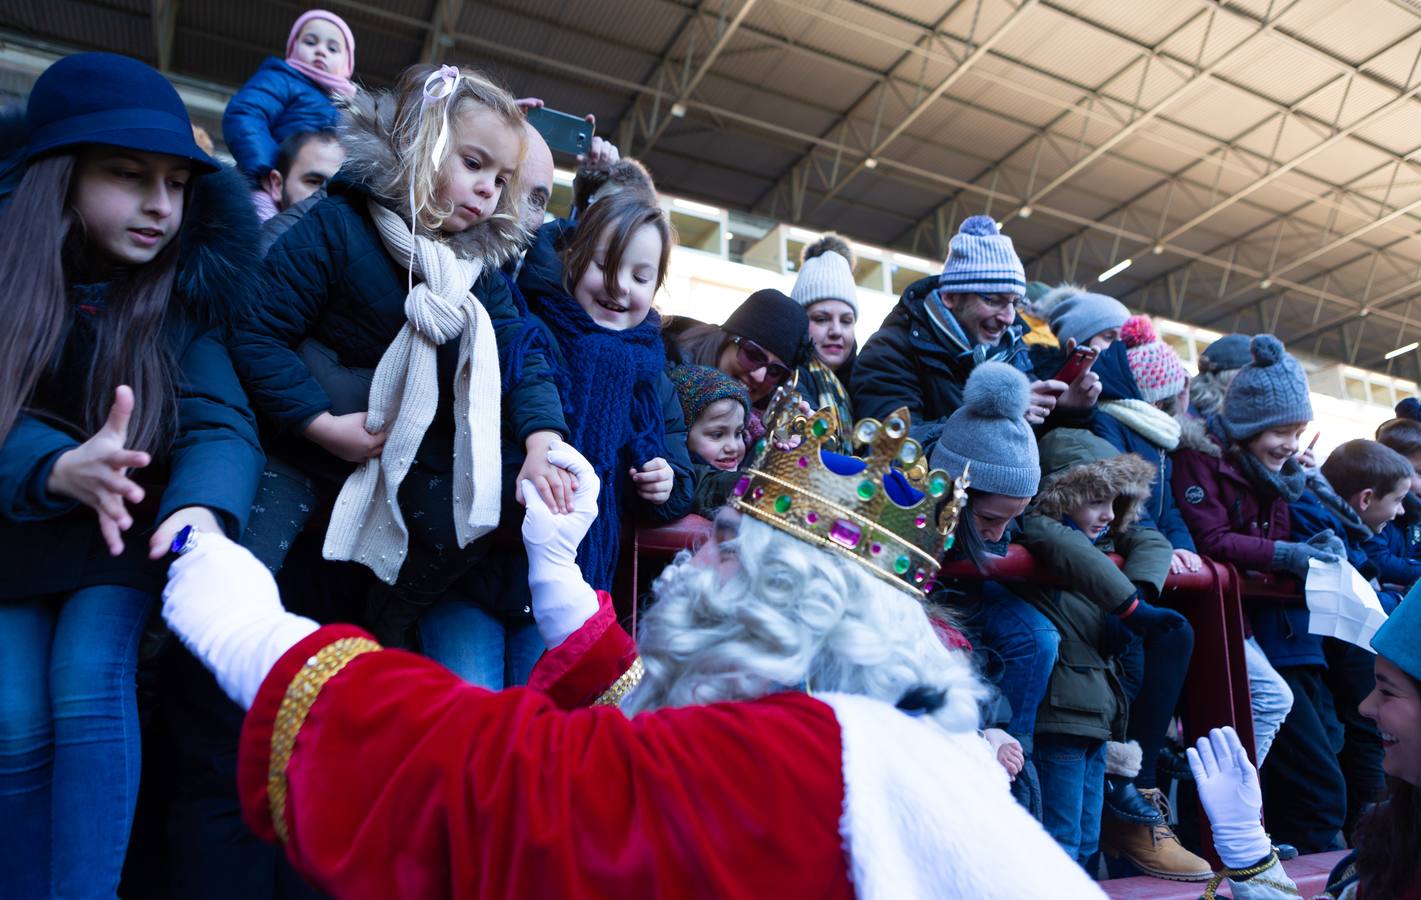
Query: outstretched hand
(96,472)
(562,598)
(1228,787)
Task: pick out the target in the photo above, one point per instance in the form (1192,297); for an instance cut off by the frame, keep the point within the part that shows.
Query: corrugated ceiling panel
(1218,111)
(1278,70)
(1353,30)
(1058,43)
(1147,21)
(1399,132)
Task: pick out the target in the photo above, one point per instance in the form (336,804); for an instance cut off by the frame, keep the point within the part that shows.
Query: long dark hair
(41,242)
(1388,841)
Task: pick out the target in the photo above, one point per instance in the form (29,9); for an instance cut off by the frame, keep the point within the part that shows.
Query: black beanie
(775,322)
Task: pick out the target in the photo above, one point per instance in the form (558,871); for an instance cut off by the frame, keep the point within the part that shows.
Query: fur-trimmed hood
(1081,466)
(219,261)
(371,166)
(1194,434)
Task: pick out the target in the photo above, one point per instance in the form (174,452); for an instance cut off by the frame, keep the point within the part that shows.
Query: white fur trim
(928,814)
(1154,424)
(1123,759)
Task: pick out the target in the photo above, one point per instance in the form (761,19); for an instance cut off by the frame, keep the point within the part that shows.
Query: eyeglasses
(752,356)
(999,302)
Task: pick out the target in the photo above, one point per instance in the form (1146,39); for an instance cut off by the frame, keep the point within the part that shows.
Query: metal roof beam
(649,117)
(165,26)
(1200,76)
(443,23)
(926,102)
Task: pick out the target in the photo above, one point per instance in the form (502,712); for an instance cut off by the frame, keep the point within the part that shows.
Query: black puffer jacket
(330,278)
(908,362)
(51,544)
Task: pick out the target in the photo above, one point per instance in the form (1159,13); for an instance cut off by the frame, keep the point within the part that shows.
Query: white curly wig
(793,616)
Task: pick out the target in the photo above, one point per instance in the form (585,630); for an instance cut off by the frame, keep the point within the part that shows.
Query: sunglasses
(752,356)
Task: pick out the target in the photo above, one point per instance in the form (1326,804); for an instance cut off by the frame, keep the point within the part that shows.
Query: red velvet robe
(405,781)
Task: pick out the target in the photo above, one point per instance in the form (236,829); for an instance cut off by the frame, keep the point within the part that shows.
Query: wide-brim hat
(105,98)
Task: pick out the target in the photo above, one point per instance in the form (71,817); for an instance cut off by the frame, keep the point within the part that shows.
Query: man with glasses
(944,327)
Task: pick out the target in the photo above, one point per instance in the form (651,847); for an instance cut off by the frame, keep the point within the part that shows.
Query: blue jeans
(479,647)
(1016,646)
(1268,695)
(69,744)
(1072,773)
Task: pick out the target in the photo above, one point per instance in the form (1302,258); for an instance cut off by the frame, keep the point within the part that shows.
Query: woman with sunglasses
(760,344)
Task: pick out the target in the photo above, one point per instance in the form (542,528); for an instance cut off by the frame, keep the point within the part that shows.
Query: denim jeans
(1016,646)
(479,647)
(1072,772)
(69,743)
(1268,695)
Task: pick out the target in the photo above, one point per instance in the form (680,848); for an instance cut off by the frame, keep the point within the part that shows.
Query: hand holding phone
(564,132)
(1079,362)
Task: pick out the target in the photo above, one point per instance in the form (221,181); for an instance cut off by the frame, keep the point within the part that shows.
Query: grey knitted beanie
(1074,312)
(1270,391)
(826,273)
(990,431)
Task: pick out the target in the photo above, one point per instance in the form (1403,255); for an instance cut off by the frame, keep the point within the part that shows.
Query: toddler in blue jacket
(290,96)
(1396,549)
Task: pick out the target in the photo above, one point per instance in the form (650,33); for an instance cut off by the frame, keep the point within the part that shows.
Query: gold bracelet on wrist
(1244,874)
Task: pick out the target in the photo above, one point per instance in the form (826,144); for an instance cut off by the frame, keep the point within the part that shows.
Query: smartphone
(1080,360)
(564,132)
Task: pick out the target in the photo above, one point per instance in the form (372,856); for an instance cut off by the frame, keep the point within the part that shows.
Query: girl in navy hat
(125,253)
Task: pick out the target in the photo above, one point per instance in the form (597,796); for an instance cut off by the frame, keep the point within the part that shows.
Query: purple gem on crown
(846,533)
(742,486)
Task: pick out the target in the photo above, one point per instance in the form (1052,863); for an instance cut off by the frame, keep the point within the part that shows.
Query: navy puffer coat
(275,103)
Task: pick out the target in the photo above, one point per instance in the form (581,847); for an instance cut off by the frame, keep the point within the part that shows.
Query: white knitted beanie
(826,273)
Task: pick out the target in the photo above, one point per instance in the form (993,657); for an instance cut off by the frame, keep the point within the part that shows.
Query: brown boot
(1153,849)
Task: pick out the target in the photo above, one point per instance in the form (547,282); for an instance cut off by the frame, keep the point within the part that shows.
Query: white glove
(224,606)
(1228,787)
(562,598)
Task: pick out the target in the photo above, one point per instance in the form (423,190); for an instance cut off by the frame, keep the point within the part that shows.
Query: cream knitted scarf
(1154,424)
(366,525)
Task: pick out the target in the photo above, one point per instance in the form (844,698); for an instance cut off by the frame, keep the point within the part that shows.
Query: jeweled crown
(855,514)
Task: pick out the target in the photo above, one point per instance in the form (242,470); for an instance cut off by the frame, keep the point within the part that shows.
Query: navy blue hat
(104,98)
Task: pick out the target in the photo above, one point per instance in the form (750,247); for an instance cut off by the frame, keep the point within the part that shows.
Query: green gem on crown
(866,490)
(759,446)
(820,427)
(900,565)
(782,503)
(949,541)
(938,486)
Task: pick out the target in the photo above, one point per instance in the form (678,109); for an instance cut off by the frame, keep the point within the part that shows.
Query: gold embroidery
(622,686)
(1270,862)
(291,715)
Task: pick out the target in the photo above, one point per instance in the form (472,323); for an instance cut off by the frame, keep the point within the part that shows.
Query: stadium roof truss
(1256,160)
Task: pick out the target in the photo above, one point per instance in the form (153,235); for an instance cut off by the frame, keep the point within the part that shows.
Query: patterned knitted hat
(990,431)
(1157,369)
(826,273)
(700,386)
(1075,312)
(981,260)
(1271,391)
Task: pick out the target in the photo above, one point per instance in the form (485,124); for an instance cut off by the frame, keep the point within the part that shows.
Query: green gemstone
(900,565)
(820,427)
(782,504)
(867,490)
(950,540)
(759,446)
(938,486)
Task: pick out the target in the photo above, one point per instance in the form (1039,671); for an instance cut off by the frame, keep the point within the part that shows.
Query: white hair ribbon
(438,88)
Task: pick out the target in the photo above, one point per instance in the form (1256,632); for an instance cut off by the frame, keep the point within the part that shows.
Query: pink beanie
(335,20)
(1156,367)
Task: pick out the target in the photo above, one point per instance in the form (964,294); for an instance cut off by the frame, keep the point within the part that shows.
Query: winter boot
(1122,764)
(1153,849)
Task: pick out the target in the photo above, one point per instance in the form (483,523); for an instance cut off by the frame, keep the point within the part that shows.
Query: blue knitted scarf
(607,380)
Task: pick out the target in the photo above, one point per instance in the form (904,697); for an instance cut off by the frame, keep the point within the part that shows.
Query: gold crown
(853,514)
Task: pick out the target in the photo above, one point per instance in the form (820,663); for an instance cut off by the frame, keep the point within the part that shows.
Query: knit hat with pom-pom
(981,260)
(1076,313)
(990,432)
(1268,392)
(826,273)
(1157,369)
